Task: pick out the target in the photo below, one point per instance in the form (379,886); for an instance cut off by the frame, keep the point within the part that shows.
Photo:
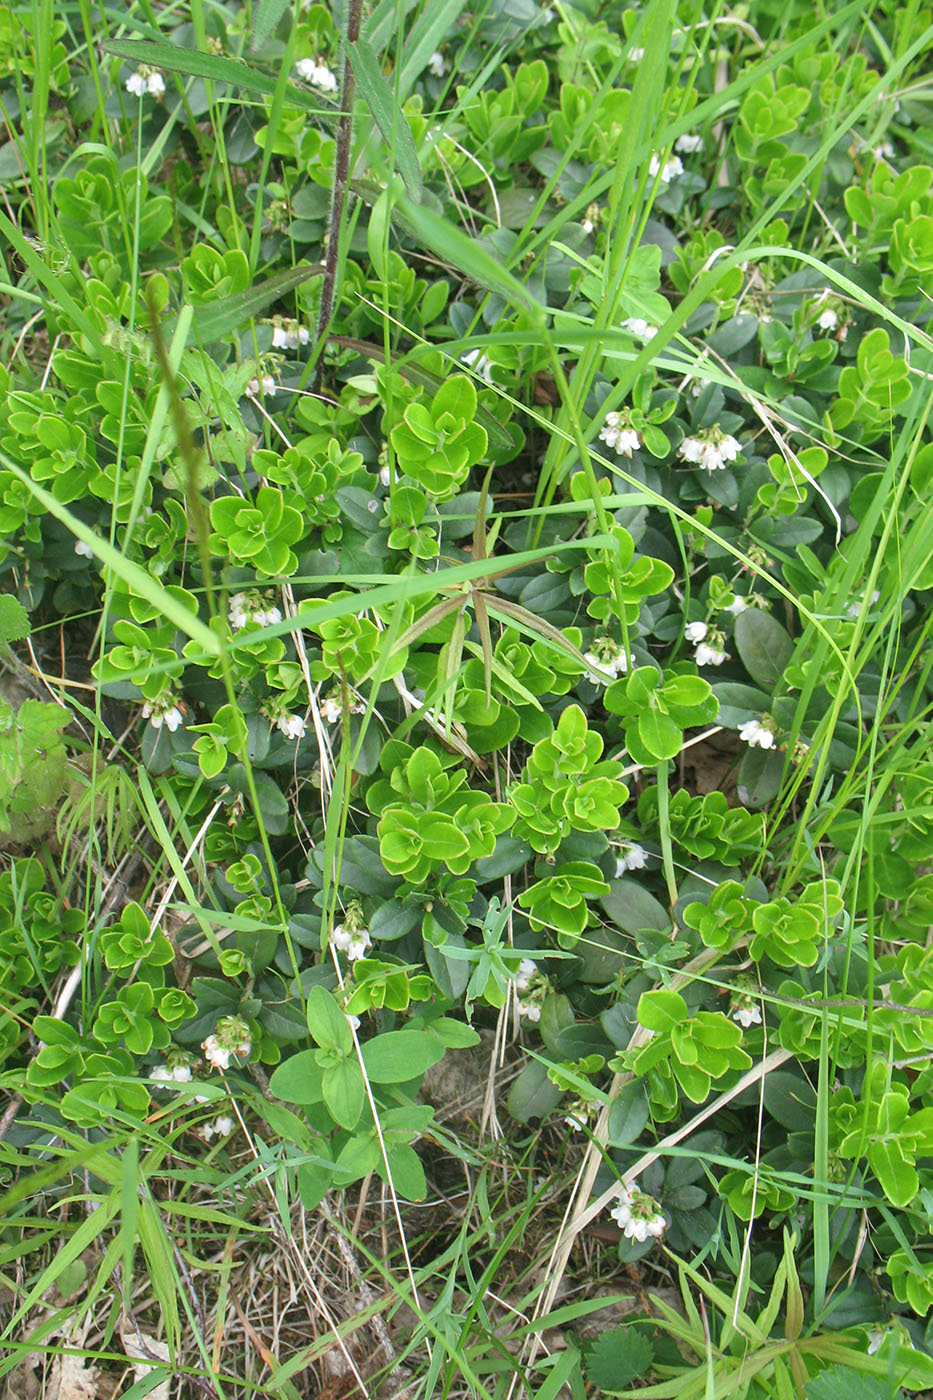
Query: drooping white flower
(695,632)
(632,856)
(668,171)
(438,65)
(707,655)
(528,1010)
(828,320)
(756,734)
(279,338)
(331,710)
(317,73)
(747,1013)
(639,328)
(292,726)
(638,1215)
(688,143)
(354,942)
(266,386)
(136,84)
(239,612)
(855,607)
(231,1037)
(84,550)
(155,85)
(582,1113)
(223,1126)
(875,1340)
(737,606)
(527,970)
(711,448)
(217,1055)
(618,434)
(268,617)
(479,362)
(607,658)
(171,1074)
(163,712)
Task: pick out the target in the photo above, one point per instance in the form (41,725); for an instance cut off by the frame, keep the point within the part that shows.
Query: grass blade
(390,120)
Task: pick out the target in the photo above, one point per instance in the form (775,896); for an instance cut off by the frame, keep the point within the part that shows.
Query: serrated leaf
(391,121)
(14,620)
(843,1383)
(618,1357)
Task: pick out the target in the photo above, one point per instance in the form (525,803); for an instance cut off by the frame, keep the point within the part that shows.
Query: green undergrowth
(467,551)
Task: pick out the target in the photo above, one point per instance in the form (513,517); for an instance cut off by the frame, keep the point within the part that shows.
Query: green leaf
(344,1093)
(633,909)
(266,16)
(764,646)
(299,1079)
(444,240)
(532,1095)
(214,67)
(328,1025)
(659,734)
(618,1357)
(391,121)
(843,1383)
(398,1056)
(14,620)
(897,1175)
(628,1115)
(661,1010)
(407,1172)
(218,318)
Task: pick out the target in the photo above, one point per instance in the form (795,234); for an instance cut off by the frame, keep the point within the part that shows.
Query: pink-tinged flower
(292,726)
(638,1215)
(632,856)
(353,942)
(756,734)
(618,434)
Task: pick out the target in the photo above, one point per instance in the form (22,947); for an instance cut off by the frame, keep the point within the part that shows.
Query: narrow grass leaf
(217,69)
(132,575)
(427,33)
(444,240)
(391,122)
(265,20)
(219,318)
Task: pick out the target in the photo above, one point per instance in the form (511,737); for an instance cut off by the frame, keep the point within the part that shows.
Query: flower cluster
(758,733)
(165,711)
(688,144)
(606,658)
(631,856)
(479,363)
(171,1074)
(582,1113)
(288,335)
(638,327)
(244,609)
(617,432)
(265,386)
(530,990)
(710,448)
(221,1127)
(668,171)
(316,72)
(231,1037)
(145,80)
(710,644)
(638,1215)
(351,937)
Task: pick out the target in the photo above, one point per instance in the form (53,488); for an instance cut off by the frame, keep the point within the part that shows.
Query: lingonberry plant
(466,573)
